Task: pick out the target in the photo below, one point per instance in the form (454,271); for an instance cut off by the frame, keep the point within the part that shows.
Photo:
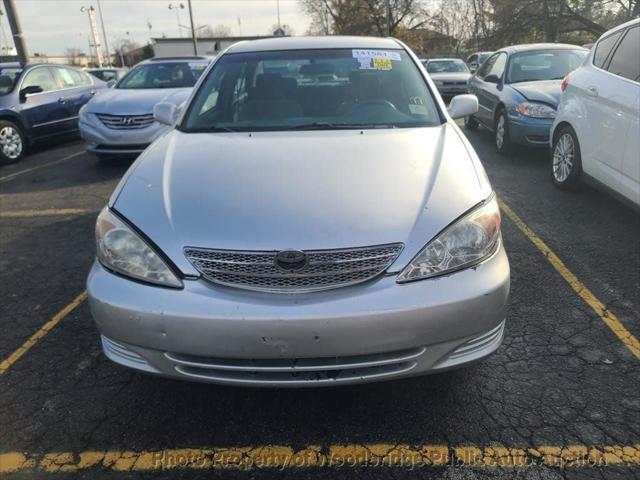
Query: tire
(12,142)
(566,160)
(470,123)
(502,138)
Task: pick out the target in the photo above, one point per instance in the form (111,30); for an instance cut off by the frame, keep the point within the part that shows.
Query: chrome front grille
(297,371)
(123,122)
(324,269)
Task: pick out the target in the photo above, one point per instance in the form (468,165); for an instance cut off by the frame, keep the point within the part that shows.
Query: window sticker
(418,109)
(381,63)
(375,59)
(197,65)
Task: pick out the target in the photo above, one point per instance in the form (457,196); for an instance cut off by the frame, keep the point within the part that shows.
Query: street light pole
(104,34)
(16,31)
(177,7)
(193,30)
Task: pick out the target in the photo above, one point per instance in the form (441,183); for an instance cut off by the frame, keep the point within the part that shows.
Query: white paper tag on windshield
(368,54)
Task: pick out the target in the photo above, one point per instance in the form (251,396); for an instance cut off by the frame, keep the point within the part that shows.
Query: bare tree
(219,30)
(364,17)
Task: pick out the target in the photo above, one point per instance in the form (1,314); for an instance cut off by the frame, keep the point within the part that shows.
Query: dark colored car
(38,102)
(518,90)
(108,74)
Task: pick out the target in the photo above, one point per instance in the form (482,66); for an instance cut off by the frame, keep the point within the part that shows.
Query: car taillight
(565,83)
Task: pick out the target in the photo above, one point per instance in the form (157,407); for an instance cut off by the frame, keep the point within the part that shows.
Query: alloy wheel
(563,156)
(10,142)
(500,132)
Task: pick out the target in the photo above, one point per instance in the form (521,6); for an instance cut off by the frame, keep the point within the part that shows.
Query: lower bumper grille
(296,371)
(476,348)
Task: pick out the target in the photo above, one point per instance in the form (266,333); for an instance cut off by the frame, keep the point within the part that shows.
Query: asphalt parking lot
(560,398)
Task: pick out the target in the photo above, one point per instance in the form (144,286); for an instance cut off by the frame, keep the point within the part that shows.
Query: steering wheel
(376,101)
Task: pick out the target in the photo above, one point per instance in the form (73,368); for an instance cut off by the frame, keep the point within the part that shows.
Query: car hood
(300,190)
(135,101)
(451,76)
(547,91)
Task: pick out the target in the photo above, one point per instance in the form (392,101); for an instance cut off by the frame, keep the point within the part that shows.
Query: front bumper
(102,140)
(373,331)
(528,131)
(452,89)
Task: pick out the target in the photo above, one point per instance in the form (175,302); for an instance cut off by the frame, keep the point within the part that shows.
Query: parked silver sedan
(290,232)
(451,75)
(119,120)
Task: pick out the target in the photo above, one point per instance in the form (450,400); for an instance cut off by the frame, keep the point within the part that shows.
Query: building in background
(178,47)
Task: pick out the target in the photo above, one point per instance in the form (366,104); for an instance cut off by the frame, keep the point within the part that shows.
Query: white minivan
(596,133)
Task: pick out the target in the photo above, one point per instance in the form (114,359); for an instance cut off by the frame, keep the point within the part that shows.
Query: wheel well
(23,128)
(557,129)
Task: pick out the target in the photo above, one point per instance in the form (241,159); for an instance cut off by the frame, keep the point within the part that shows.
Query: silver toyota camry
(316,217)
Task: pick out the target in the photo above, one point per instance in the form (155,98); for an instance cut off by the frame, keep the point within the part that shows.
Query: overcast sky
(51,26)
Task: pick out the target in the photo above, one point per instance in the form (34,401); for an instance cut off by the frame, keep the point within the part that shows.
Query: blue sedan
(38,102)
(518,90)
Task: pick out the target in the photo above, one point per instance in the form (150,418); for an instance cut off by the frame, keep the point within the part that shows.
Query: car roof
(635,21)
(104,68)
(310,43)
(176,59)
(445,60)
(527,47)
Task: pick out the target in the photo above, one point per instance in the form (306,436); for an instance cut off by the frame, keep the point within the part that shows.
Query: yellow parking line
(24,348)
(315,456)
(43,213)
(607,316)
(32,169)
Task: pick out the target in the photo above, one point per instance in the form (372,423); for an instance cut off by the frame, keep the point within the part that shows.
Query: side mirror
(473,67)
(492,79)
(166,113)
(111,83)
(462,106)
(30,90)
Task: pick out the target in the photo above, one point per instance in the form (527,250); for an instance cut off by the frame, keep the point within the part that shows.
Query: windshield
(312,89)
(543,65)
(447,66)
(163,75)
(8,79)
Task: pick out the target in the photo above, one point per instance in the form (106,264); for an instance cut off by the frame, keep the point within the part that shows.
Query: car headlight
(122,250)
(461,245)
(535,110)
(84,117)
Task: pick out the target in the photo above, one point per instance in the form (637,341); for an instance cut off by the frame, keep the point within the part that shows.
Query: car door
(77,89)
(488,87)
(605,131)
(42,111)
(624,65)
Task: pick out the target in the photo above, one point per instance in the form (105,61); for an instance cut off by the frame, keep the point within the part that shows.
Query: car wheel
(566,162)
(12,142)
(470,123)
(501,134)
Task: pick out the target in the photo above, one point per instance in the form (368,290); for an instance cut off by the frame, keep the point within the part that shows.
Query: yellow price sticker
(380,63)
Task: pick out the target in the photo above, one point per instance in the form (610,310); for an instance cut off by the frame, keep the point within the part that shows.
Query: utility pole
(193,30)
(16,31)
(104,34)
(278,7)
